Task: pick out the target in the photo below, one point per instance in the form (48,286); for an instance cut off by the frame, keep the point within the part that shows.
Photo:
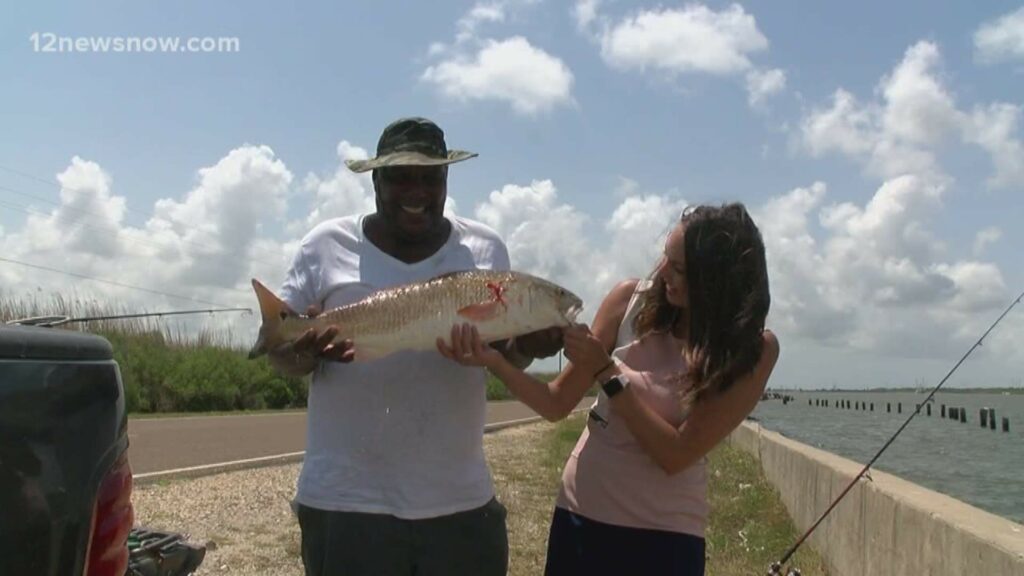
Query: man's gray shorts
(353,543)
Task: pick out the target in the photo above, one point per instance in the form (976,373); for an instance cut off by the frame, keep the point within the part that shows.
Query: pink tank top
(609,477)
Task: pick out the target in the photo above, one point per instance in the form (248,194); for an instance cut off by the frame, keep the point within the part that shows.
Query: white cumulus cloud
(1001,39)
(344,192)
(983,238)
(764,83)
(915,116)
(511,71)
(689,39)
(693,39)
(872,277)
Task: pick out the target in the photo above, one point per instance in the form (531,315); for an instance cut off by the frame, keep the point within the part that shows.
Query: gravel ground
(246,521)
(243,517)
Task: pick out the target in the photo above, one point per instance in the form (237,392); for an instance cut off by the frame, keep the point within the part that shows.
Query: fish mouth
(573,312)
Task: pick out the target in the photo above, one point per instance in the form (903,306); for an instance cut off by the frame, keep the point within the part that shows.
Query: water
(982,467)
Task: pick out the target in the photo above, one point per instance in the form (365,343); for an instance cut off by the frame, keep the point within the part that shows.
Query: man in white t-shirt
(394,479)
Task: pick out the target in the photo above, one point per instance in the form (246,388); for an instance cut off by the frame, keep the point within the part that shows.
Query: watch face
(614,385)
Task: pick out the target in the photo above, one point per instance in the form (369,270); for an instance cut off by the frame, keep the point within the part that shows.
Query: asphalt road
(160,444)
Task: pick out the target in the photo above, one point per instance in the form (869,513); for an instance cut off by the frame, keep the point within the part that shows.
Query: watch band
(614,385)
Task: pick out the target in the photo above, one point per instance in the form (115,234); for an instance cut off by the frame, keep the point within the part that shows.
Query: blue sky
(882,155)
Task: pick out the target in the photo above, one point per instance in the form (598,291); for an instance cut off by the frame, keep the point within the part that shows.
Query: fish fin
(270,305)
(482,311)
(274,311)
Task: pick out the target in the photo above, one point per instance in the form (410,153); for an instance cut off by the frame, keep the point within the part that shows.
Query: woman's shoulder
(619,296)
(625,289)
(613,309)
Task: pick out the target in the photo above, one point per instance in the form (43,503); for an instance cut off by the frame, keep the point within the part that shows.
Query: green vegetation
(168,371)
(749,527)
(160,376)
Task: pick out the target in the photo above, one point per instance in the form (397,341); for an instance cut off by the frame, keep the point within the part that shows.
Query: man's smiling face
(410,199)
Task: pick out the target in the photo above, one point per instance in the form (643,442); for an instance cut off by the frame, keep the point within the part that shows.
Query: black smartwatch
(614,385)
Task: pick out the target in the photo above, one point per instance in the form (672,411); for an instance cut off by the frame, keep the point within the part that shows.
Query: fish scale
(411,317)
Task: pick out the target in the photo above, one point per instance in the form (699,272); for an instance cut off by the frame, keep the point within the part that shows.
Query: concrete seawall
(885,525)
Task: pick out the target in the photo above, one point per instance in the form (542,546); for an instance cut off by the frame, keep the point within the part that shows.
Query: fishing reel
(776,570)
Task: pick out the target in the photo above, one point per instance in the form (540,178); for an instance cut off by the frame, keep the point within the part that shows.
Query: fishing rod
(60,320)
(776,568)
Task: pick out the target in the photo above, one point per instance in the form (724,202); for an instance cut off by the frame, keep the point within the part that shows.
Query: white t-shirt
(402,435)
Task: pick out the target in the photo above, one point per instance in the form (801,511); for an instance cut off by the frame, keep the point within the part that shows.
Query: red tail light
(112,520)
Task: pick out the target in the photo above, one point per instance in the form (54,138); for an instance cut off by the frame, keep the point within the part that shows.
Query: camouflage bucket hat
(410,142)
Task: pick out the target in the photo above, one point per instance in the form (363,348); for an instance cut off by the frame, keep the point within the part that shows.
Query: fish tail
(274,311)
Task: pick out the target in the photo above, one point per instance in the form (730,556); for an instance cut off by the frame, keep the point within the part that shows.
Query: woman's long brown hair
(727,282)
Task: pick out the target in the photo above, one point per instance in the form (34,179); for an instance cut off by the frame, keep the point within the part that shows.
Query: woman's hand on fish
(467,348)
(584,349)
(321,344)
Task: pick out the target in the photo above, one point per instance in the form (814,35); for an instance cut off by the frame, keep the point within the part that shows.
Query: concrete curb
(276,460)
(210,469)
(886,525)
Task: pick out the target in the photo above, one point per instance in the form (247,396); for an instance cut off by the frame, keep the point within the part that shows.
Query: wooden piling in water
(1006,424)
(983,417)
(872,406)
(952,414)
(992,418)
(943,410)
(963,415)
(888,407)
(899,407)
(929,409)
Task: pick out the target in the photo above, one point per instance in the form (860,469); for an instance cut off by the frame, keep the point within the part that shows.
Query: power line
(110,282)
(56,185)
(30,176)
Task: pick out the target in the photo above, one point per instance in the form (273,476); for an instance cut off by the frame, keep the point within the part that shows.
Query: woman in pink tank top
(681,360)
